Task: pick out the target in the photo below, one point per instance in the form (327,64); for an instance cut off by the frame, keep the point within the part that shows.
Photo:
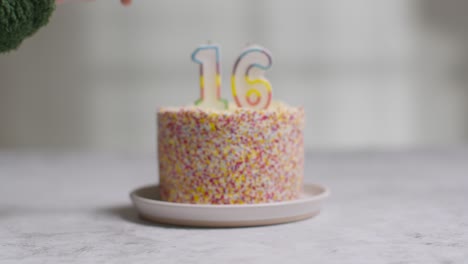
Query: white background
(371,74)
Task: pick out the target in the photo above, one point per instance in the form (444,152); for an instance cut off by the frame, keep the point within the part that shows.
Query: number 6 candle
(210,77)
(249,87)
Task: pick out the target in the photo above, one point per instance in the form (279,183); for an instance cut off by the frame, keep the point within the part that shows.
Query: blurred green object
(20,19)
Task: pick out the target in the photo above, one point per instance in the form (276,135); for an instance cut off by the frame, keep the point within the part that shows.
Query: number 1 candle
(210,77)
(249,86)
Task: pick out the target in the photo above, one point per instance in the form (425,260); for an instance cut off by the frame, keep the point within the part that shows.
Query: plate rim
(325,192)
(229,223)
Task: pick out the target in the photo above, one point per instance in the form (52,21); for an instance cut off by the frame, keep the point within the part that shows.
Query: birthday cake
(233,156)
(243,153)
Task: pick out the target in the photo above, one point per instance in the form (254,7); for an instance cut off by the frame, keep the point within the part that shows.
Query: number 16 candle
(250,88)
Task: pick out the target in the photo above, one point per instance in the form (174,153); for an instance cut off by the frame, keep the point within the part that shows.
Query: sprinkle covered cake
(214,152)
(231,156)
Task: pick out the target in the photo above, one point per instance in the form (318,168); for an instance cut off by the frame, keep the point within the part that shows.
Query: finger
(126,2)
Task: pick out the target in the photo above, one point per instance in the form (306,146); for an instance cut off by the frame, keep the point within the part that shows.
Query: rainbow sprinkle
(233,156)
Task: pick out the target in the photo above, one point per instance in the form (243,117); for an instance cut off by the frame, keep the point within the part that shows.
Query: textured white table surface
(405,207)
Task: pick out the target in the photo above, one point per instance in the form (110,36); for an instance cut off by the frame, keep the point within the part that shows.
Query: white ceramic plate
(150,207)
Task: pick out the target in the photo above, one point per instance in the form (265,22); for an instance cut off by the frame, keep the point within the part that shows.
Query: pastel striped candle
(249,86)
(207,56)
